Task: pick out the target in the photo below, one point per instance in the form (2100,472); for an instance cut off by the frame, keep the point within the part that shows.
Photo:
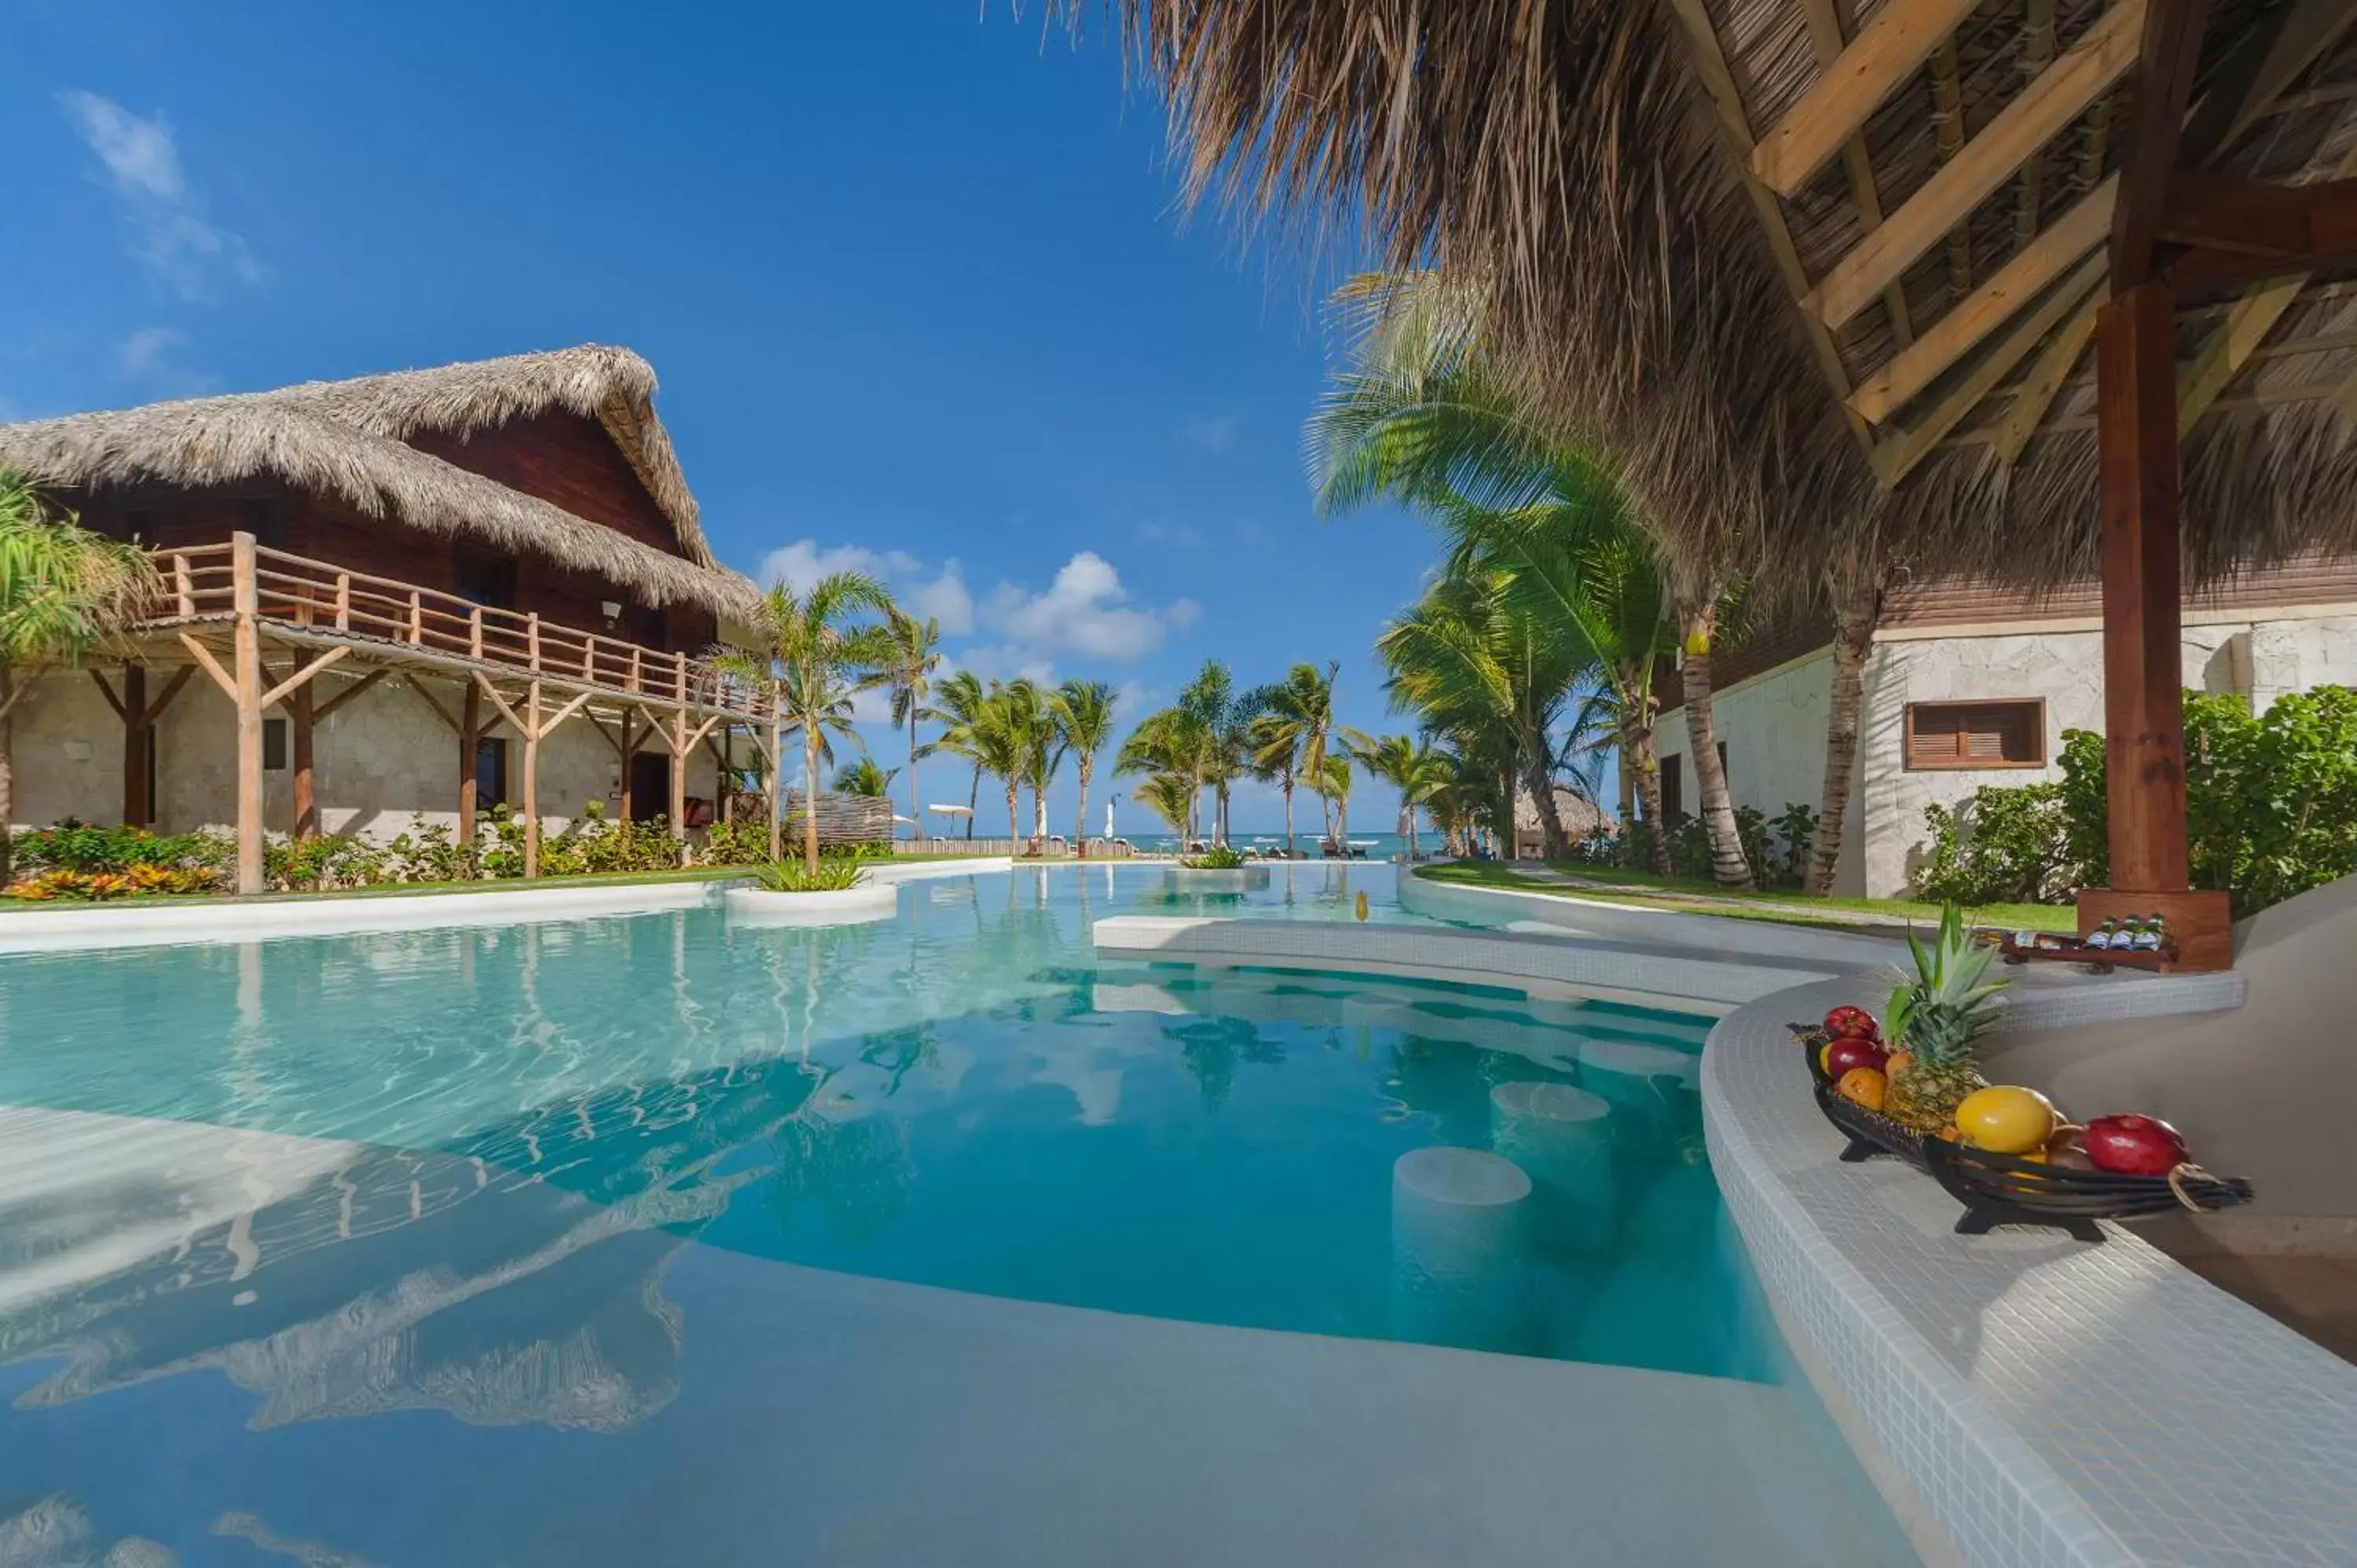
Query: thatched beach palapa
(349,439)
(1832,282)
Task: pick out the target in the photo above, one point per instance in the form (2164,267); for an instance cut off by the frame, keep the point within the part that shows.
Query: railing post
(475,632)
(679,678)
(589,658)
(244,601)
(343,601)
(184,588)
(531,639)
(416,620)
(636,684)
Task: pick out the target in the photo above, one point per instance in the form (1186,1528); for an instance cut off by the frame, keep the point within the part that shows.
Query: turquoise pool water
(494,1173)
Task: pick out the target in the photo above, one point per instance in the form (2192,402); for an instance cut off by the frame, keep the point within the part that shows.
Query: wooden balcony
(304,601)
(224,608)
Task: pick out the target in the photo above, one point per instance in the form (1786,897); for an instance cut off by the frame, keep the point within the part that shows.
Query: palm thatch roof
(1592,164)
(349,439)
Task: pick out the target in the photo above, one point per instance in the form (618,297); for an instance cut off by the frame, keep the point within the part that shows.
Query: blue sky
(915,279)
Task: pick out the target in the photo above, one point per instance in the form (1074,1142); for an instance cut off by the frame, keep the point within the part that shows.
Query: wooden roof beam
(1896,458)
(2020,280)
(2035,396)
(2309,28)
(2245,231)
(2082,74)
(1828,38)
(2169,50)
(1887,52)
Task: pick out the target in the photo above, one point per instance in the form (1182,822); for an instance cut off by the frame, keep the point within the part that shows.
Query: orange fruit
(1862,1086)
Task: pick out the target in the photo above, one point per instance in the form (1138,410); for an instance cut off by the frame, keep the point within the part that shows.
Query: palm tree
(909,673)
(62,589)
(962,697)
(1173,741)
(1083,716)
(1211,699)
(1419,420)
(1334,784)
(1293,727)
(865,777)
(817,657)
(1171,799)
(1411,765)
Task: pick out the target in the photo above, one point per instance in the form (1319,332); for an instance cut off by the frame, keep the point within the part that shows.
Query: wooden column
(137,809)
(532,783)
(299,735)
(630,755)
(2143,677)
(678,753)
(248,634)
(470,745)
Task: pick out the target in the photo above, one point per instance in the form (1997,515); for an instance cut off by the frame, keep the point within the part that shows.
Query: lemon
(2005,1119)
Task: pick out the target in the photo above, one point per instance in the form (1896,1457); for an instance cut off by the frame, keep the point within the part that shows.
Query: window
(265,518)
(490,773)
(487,580)
(1673,803)
(2010,733)
(273,744)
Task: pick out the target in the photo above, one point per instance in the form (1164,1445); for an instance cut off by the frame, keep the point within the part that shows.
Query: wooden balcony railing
(314,597)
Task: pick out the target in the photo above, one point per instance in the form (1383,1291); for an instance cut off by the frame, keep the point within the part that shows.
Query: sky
(916,278)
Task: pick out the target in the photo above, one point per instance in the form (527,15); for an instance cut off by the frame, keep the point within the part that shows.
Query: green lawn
(1643,888)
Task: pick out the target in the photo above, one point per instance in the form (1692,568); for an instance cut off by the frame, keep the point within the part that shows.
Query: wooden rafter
(2083,72)
(172,689)
(212,666)
(1948,128)
(433,702)
(2203,378)
(2168,51)
(1887,52)
(1827,39)
(2030,272)
(2043,382)
(2037,54)
(286,688)
(1897,456)
(2309,28)
(1727,102)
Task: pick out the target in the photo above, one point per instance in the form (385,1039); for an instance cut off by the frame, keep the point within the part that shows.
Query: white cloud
(1212,435)
(170,232)
(945,599)
(150,357)
(1085,611)
(802,562)
(1007,662)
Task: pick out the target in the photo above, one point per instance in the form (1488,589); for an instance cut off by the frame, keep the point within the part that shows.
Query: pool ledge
(2024,1400)
(1540,964)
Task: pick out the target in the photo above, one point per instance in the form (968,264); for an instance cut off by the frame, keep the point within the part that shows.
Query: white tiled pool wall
(2036,1401)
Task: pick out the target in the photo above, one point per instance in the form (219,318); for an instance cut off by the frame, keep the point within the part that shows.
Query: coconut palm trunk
(7,773)
(1853,625)
(1014,813)
(916,810)
(810,796)
(1727,866)
(1646,766)
(1081,811)
(972,800)
(1287,785)
(1554,843)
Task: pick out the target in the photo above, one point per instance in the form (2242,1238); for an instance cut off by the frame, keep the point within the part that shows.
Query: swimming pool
(477,1198)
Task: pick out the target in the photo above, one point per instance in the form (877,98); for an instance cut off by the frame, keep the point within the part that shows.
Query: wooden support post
(248,634)
(470,734)
(680,743)
(629,752)
(475,632)
(184,589)
(531,727)
(137,811)
(2144,679)
(298,726)
(343,601)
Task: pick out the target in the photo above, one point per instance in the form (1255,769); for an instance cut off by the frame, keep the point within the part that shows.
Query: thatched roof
(349,439)
(1585,161)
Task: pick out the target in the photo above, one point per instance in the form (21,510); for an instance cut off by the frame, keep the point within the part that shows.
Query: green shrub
(2004,844)
(1794,832)
(834,875)
(1218,857)
(735,843)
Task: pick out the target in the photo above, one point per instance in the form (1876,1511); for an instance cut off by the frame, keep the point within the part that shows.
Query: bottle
(2150,938)
(2101,938)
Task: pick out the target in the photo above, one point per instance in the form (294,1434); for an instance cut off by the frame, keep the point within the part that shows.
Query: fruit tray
(1999,1189)
(1869,1131)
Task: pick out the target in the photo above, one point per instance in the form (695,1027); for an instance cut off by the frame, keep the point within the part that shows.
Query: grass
(1643,888)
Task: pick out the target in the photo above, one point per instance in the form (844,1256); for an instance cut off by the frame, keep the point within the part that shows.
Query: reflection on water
(450,1172)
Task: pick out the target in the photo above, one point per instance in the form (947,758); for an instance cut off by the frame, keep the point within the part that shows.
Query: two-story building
(412,594)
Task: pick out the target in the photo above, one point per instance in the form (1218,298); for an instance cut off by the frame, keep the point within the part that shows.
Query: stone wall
(378,762)
(1774,725)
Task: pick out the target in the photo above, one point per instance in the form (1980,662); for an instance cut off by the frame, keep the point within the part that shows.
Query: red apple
(1842,1055)
(1846,1023)
(2133,1146)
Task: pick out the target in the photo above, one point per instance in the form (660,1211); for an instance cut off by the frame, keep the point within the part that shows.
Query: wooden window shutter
(2008,734)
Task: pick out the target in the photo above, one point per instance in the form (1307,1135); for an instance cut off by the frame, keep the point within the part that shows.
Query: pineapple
(1936,1022)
